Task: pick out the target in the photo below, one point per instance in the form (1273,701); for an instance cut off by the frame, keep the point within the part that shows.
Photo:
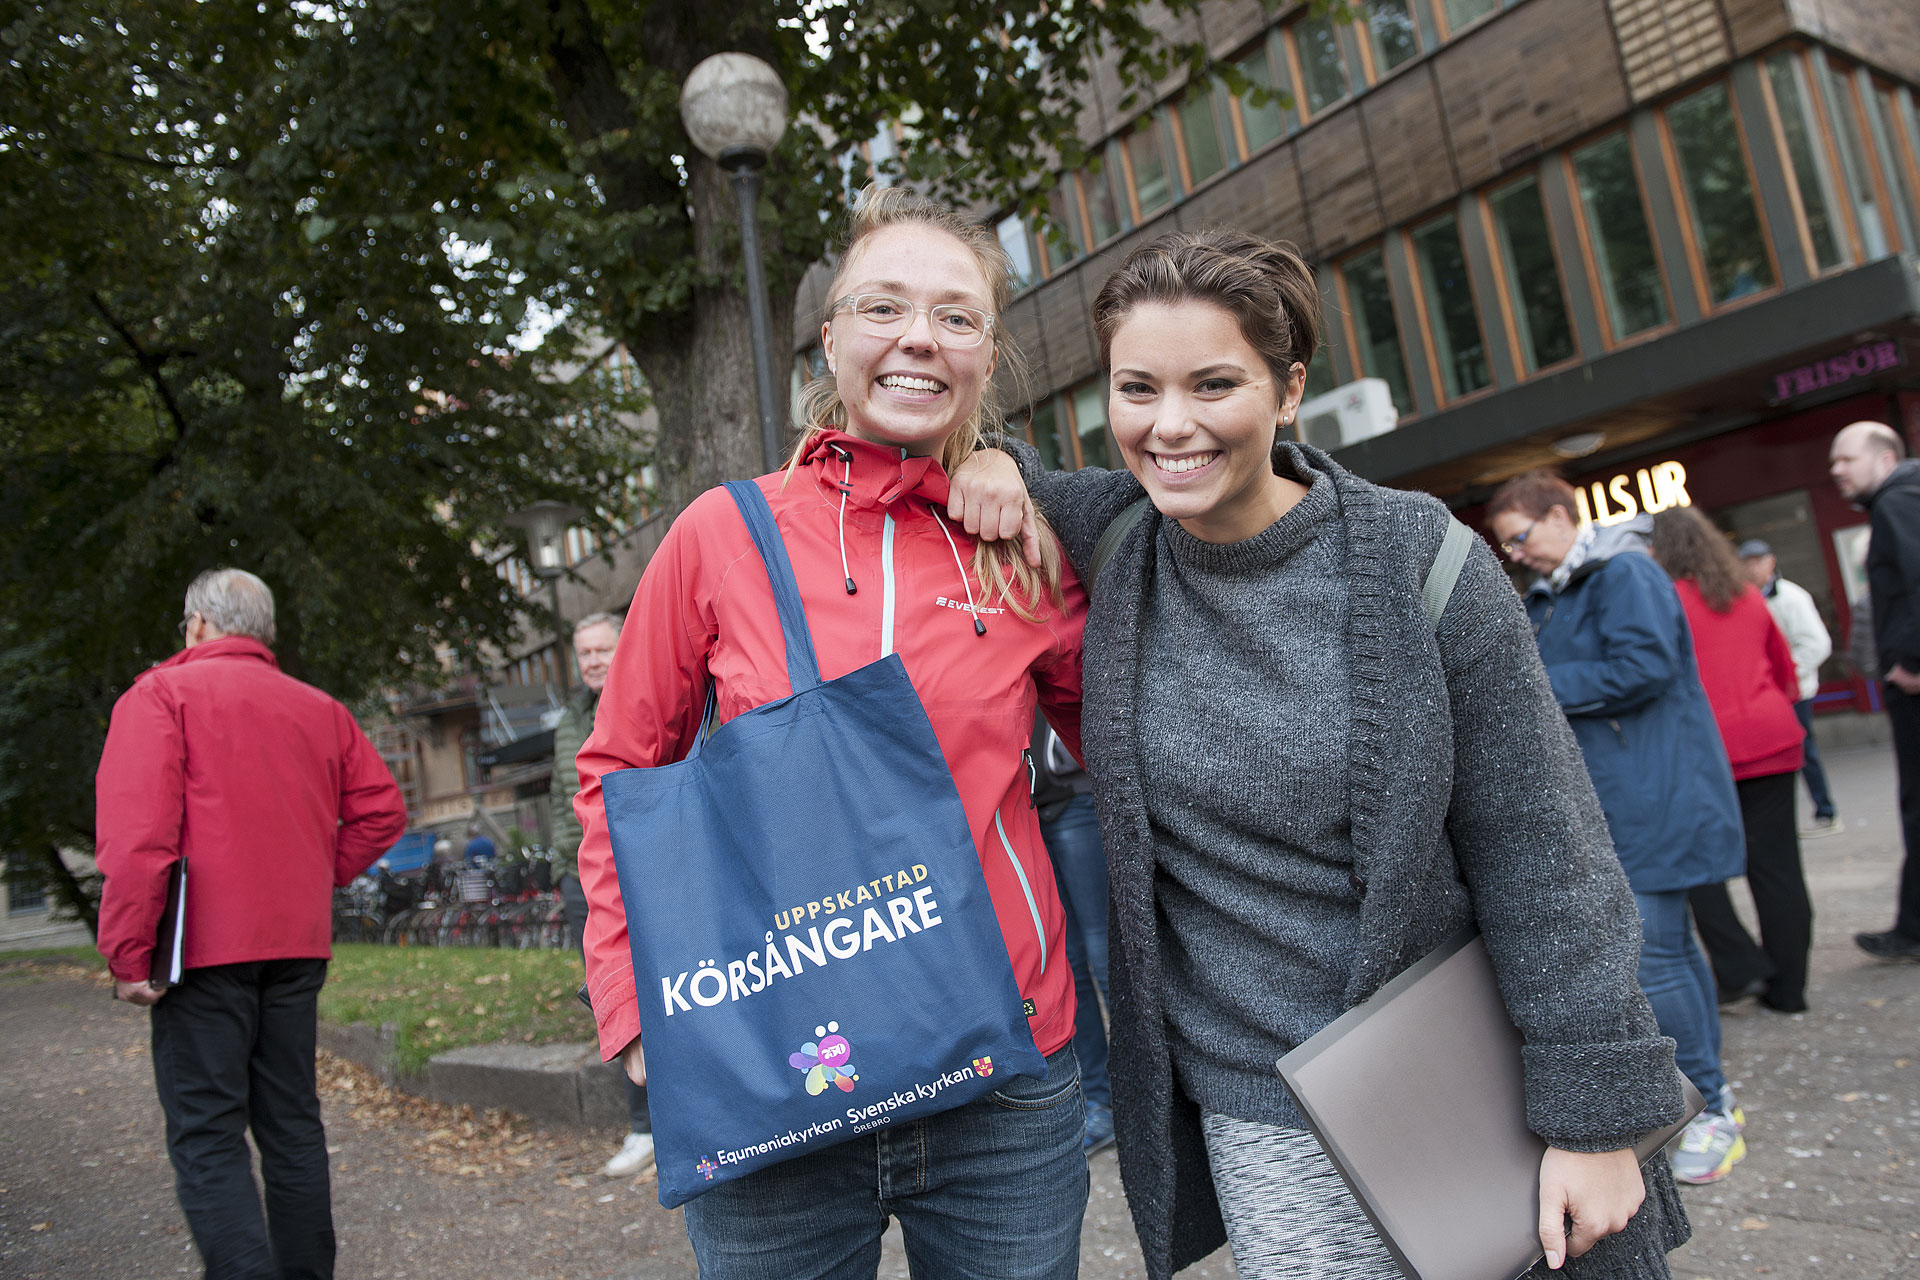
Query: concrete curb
(554,1083)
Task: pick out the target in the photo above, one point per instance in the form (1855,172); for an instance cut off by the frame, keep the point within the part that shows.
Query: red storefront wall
(1780,456)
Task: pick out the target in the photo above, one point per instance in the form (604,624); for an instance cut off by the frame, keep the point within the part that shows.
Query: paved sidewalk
(1831,1187)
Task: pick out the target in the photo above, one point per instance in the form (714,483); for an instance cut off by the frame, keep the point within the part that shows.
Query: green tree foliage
(265,264)
(195,369)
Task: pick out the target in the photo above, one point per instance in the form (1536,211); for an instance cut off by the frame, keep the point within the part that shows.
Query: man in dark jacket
(1869,466)
(272,795)
(594,640)
(1619,655)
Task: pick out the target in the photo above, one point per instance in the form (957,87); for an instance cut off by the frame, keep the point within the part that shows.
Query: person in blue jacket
(1620,657)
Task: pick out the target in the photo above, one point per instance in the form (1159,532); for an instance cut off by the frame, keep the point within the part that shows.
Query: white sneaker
(1831,825)
(634,1157)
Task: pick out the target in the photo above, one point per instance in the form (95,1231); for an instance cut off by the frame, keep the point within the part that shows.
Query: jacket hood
(1635,534)
(1905,475)
(224,647)
(872,475)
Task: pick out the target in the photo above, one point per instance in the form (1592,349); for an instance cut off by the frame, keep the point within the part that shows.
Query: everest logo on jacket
(964,607)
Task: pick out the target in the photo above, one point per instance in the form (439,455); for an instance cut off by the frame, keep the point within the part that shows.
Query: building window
(1066,239)
(1812,179)
(1013,238)
(22,897)
(1903,161)
(1457,344)
(1394,33)
(1323,73)
(1200,136)
(1855,159)
(1103,217)
(1532,273)
(1463,13)
(1376,335)
(1089,402)
(1152,188)
(1265,123)
(1044,431)
(1626,264)
(1719,195)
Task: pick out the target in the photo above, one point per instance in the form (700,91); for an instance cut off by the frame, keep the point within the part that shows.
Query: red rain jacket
(704,604)
(1747,670)
(265,784)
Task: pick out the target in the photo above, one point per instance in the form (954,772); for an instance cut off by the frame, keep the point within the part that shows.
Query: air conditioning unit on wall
(1347,415)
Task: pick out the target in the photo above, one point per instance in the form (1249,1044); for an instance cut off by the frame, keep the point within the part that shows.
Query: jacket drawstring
(846,483)
(979,627)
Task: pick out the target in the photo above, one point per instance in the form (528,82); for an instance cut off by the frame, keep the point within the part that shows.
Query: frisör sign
(1649,489)
(1863,361)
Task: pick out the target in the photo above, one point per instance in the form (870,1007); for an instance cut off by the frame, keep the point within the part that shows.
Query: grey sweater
(1269,885)
(1468,803)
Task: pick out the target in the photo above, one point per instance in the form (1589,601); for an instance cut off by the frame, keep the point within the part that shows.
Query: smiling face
(1195,411)
(910,389)
(593,649)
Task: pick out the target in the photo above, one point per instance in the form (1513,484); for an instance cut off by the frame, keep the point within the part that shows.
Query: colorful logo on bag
(983,1067)
(827,1059)
(707,1169)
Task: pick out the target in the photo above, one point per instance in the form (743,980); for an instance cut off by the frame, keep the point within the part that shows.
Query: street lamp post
(545,523)
(735,110)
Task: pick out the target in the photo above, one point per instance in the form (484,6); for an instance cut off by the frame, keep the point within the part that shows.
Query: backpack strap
(1447,563)
(1112,536)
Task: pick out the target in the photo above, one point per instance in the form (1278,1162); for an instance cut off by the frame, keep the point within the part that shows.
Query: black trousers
(1903,714)
(1780,900)
(574,899)
(233,1050)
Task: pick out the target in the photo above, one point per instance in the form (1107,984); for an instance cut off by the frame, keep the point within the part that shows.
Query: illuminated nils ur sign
(1649,489)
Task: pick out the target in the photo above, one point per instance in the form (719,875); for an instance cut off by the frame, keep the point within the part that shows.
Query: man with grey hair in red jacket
(273,796)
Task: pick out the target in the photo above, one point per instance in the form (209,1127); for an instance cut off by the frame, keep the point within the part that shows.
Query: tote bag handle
(803,669)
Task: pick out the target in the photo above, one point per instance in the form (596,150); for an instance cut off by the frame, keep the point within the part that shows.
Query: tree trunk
(67,888)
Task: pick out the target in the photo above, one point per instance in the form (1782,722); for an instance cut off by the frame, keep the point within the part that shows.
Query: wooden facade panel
(1233,23)
(1412,160)
(1262,198)
(1343,206)
(1884,33)
(1754,24)
(1541,74)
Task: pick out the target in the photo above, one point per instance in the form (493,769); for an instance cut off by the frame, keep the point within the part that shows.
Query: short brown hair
(1533,494)
(1264,284)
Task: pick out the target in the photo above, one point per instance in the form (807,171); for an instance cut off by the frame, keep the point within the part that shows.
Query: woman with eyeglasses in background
(1619,655)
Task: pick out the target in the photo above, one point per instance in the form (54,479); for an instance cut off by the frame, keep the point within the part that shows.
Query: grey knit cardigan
(1470,802)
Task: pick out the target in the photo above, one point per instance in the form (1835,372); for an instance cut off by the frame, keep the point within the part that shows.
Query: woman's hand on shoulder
(990,500)
(1600,1191)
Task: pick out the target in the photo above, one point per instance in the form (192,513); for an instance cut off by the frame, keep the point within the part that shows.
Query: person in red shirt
(273,796)
(913,335)
(1749,676)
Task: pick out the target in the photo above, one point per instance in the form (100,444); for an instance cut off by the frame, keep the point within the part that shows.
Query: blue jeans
(1812,770)
(993,1190)
(1679,986)
(1080,870)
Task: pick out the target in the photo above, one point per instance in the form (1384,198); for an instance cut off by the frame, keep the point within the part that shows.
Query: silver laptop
(1416,1096)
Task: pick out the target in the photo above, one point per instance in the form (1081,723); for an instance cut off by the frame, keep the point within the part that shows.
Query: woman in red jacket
(997,1187)
(1749,677)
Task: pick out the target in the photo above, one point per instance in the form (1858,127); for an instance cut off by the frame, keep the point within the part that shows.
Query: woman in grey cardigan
(1304,786)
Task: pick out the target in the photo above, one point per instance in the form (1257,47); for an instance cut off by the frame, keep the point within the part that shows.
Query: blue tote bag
(814,949)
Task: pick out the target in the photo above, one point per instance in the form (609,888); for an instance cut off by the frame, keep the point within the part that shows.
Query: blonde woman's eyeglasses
(889,317)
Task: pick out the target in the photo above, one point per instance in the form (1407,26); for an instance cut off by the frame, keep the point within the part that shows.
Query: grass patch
(85,957)
(441,998)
